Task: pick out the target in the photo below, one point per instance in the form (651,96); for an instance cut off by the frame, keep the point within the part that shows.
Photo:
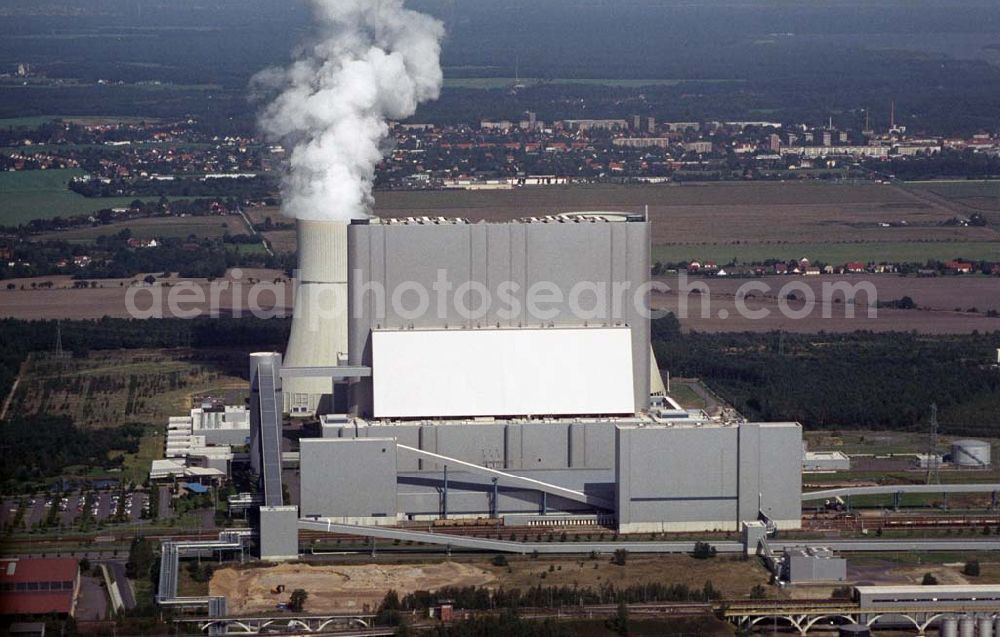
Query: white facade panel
(497,372)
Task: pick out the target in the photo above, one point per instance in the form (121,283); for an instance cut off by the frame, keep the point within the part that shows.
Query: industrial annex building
(517,408)
(36,587)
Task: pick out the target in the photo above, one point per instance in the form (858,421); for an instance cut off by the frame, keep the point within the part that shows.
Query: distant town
(143,158)
(171,169)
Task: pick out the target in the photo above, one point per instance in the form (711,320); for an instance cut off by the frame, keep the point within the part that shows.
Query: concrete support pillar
(444,494)
(495,502)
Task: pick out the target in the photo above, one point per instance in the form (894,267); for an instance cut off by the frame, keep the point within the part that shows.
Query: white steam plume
(374,61)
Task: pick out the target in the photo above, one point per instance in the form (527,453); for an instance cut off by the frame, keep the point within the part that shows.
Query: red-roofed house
(855,266)
(39,586)
(959,266)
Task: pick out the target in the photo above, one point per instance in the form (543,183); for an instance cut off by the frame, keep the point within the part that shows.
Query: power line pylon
(933,461)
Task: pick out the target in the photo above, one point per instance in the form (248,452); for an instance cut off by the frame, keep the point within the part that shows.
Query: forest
(949,163)
(79,337)
(482,598)
(110,257)
(860,380)
(41,447)
(237,188)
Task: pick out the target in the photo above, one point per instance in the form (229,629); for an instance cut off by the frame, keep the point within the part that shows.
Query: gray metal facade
(263,414)
(662,478)
(513,445)
(680,478)
(279,532)
(348,479)
(421,496)
(813,565)
(234,437)
(611,255)
(270,430)
(770,472)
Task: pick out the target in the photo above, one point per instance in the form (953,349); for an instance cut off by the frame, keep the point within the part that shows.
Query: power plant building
(318,336)
(504,370)
(556,296)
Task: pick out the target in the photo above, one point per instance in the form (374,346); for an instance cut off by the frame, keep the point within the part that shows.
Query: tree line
(483,598)
(79,337)
(855,380)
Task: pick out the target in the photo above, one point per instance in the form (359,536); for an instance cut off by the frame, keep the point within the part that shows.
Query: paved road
(889,489)
(117,569)
(165,512)
(10,396)
(893,545)
(93,601)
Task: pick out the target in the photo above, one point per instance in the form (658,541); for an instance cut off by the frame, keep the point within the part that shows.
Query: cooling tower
(319,320)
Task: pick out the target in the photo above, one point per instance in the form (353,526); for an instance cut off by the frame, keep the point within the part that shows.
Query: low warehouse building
(800,565)
(221,424)
(825,461)
(30,587)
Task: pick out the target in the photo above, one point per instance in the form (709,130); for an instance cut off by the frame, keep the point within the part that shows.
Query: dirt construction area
(337,588)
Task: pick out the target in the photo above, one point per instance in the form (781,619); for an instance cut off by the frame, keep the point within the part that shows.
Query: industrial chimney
(319,319)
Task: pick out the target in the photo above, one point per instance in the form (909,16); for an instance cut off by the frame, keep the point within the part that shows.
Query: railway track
(857,523)
(846,524)
(736,604)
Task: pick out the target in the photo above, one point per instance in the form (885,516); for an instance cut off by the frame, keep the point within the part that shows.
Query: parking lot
(74,509)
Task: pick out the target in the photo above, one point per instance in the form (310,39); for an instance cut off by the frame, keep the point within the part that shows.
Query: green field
(43,194)
(34,121)
(207,227)
(833,253)
(687,397)
(959,188)
(136,466)
(56,148)
(26,122)
(978,195)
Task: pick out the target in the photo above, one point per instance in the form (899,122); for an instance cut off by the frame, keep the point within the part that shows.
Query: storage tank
(318,336)
(949,627)
(985,627)
(970,453)
(967,627)
(854,630)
